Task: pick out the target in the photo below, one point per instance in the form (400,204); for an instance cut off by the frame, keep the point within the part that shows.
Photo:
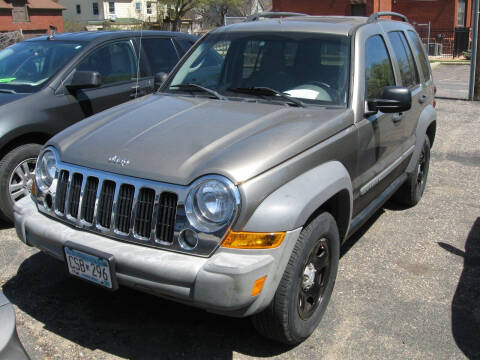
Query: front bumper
(221,283)
(10,345)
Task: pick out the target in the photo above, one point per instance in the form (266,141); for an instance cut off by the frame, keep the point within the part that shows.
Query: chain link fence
(444,44)
(9,38)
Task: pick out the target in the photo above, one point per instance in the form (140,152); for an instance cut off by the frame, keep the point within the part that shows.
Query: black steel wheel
(306,285)
(412,190)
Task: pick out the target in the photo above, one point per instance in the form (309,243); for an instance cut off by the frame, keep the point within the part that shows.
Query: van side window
(403,54)
(378,67)
(418,49)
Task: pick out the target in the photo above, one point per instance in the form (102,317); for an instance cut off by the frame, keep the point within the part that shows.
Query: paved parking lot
(408,284)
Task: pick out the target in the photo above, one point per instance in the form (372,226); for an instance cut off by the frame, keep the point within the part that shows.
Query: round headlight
(211,205)
(45,170)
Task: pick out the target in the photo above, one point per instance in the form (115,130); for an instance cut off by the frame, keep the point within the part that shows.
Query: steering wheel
(331,92)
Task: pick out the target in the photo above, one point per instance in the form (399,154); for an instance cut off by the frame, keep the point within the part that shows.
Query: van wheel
(412,190)
(306,286)
(17,173)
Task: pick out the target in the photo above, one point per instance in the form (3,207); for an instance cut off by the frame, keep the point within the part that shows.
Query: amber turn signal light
(34,188)
(253,240)
(258,286)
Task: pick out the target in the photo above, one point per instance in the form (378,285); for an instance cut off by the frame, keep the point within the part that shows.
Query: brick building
(33,17)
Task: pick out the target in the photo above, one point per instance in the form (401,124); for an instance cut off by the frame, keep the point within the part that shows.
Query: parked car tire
(304,292)
(412,190)
(17,173)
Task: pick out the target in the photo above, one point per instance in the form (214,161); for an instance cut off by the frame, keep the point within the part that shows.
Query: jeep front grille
(118,206)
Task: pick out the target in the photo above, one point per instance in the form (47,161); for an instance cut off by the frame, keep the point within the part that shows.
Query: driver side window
(378,67)
(115,62)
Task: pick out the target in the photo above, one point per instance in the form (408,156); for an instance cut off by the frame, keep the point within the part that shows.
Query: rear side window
(418,50)
(161,54)
(378,67)
(408,70)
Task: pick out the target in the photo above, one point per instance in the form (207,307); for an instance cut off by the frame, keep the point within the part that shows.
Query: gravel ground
(408,284)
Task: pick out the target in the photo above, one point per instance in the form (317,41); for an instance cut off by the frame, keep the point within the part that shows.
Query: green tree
(178,9)
(220,8)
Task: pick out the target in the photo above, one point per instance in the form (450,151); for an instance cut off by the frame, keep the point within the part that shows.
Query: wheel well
(31,138)
(432,129)
(339,207)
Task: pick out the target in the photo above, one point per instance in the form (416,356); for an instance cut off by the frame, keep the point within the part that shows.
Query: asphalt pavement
(408,285)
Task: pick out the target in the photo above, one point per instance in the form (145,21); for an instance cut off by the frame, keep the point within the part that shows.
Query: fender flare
(427,117)
(290,206)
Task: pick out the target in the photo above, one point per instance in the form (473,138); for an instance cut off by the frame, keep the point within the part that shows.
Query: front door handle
(396,118)
(422,99)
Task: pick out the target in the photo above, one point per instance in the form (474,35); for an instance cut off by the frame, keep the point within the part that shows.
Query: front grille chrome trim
(208,244)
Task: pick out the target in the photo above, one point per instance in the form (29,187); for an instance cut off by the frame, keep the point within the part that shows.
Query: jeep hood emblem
(118,161)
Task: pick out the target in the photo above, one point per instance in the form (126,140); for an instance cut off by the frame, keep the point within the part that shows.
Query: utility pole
(474,86)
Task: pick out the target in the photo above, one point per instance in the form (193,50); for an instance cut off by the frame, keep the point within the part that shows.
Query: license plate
(89,267)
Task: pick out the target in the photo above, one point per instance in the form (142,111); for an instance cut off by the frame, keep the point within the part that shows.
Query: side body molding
(427,116)
(290,206)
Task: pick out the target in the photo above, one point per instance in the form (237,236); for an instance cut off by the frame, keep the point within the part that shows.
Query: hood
(177,139)
(6,98)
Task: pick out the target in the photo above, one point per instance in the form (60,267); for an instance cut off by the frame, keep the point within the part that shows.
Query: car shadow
(127,323)
(466,301)
(5,225)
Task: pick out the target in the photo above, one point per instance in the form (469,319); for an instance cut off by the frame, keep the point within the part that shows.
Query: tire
(412,190)
(285,320)
(24,154)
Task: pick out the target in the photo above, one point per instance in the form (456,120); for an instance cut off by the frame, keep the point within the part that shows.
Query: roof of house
(34,4)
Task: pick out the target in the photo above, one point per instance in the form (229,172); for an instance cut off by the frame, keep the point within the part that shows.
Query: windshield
(313,68)
(27,66)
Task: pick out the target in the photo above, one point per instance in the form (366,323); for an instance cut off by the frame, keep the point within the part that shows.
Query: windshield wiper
(266,91)
(8,91)
(193,87)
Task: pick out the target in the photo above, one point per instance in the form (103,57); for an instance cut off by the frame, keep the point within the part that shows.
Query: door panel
(116,63)
(379,135)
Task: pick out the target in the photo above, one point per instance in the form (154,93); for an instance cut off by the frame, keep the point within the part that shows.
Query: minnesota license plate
(89,267)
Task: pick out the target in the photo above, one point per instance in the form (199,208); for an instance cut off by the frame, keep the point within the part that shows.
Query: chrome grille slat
(144,212)
(123,212)
(61,193)
(105,204)
(157,213)
(75,193)
(89,199)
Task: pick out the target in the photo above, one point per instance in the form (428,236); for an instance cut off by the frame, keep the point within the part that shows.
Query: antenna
(138,59)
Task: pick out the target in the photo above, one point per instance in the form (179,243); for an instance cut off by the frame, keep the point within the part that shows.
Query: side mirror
(160,79)
(85,80)
(394,99)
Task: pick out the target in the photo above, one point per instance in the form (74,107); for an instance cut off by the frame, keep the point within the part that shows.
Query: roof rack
(374,17)
(272,14)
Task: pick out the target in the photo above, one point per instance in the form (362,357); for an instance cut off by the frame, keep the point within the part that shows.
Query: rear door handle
(422,99)
(398,117)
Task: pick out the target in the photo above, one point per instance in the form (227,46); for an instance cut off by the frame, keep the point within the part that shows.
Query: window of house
(95,8)
(419,51)
(78,8)
(149,7)
(19,13)
(408,70)
(461,13)
(378,67)
(111,7)
(115,62)
(358,10)
(137,6)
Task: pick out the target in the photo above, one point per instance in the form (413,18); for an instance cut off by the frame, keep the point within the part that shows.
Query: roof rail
(272,14)
(374,17)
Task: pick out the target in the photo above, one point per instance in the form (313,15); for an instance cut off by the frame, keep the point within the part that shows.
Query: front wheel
(17,174)
(306,286)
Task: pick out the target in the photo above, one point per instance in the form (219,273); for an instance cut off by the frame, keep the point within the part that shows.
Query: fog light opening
(258,286)
(188,239)
(48,201)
